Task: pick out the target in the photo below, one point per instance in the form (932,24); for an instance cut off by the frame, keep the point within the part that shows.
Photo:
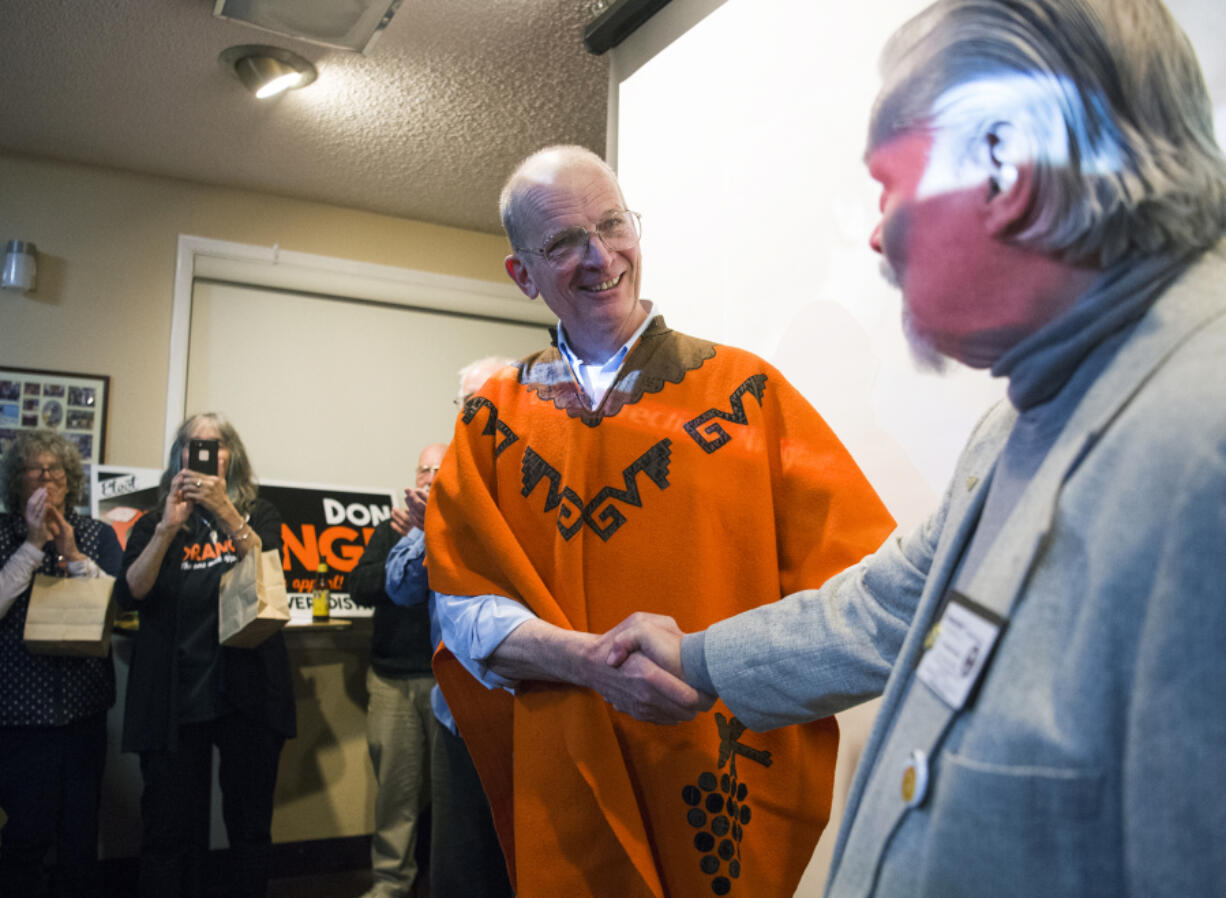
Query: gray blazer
(1093,759)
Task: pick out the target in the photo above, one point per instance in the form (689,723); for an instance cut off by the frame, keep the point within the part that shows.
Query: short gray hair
(480,371)
(1106,94)
(529,172)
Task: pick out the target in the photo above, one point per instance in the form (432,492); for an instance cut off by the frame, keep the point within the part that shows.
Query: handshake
(636,667)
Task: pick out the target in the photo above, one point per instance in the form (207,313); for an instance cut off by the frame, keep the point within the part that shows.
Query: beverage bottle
(320,598)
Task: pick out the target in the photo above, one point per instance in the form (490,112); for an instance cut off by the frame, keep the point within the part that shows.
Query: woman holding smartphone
(186,692)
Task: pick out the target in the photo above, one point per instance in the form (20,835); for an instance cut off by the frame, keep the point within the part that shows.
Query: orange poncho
(704,485)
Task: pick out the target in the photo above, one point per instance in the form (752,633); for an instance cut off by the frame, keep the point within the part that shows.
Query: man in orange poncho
(629,467)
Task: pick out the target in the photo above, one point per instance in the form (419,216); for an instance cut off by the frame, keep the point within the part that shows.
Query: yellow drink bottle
(320,598)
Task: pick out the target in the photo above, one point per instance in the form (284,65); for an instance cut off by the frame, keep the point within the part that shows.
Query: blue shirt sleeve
(471,627)
(474,626)
(406,582)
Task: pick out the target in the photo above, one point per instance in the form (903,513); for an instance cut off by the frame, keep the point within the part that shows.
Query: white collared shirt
(596,379)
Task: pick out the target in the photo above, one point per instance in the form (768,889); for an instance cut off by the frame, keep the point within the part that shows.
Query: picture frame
(69,403)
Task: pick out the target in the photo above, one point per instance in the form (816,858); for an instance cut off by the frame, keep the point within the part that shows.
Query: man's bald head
(541,168)
(474,374)
(428,463)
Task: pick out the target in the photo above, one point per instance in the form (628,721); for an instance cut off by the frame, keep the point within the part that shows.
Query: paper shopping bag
(70,616)
(252,601)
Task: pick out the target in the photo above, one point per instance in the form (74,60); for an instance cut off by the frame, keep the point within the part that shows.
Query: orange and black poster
(324,524)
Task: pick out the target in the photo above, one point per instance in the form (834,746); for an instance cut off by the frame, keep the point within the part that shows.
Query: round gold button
(915,779)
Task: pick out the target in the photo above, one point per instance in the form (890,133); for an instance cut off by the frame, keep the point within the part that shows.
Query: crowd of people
(646,574)
(186,693)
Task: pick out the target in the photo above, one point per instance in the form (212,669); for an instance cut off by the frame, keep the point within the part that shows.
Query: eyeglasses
(51,471)
(428,469)
(620,230)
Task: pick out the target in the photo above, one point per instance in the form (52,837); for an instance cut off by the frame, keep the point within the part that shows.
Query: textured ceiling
(426,126)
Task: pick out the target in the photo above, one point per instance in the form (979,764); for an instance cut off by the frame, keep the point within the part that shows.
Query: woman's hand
(65,538)
(143,572)
(207,490)
(178,507)
(210,491)
(36,519)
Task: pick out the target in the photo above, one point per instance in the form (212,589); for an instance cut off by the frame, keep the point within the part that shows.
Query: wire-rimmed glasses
(619,230)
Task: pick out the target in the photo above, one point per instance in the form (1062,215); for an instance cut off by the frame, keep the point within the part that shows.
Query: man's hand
(415,505)
(655,635)
(401,522)
(537,650)
(640,687)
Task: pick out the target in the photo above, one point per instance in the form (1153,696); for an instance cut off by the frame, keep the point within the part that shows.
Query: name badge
(957,649)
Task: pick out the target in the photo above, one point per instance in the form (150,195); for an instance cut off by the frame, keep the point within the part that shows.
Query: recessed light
(267,71)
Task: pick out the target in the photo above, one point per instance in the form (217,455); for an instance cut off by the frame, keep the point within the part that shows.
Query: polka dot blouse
(52,690)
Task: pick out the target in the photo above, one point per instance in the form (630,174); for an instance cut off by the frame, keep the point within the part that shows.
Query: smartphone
(202,456)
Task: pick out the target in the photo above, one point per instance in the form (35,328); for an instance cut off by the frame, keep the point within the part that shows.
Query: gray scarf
(1039,365)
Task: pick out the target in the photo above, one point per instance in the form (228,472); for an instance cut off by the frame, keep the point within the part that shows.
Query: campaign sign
(326,524)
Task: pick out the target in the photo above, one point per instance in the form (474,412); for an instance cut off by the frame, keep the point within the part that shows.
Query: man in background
(399,721)
(628,466)
(465,857)
(1050,640)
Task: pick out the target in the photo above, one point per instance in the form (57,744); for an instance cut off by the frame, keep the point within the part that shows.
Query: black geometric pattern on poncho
(714,436)
(492,423)
(602,513)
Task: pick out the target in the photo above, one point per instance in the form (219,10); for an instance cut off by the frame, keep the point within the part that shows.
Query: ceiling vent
(344,24)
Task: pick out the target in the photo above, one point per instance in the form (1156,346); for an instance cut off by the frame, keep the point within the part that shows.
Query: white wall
(737,128)
(742,146)
(326,390)
(107,244)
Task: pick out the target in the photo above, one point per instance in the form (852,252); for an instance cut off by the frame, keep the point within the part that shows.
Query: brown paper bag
(252,601)
(70,616)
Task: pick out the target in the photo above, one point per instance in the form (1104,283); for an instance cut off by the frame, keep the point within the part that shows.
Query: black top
(180,672)
(400,645)
(52,690)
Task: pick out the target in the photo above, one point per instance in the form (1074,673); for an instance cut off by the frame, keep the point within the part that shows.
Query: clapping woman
(52,707)
(186,692)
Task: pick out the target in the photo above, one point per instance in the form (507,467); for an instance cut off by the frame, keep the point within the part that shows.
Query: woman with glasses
(186,692)
(52,707)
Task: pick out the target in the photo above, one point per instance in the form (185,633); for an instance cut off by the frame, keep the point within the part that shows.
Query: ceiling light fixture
(267,71)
